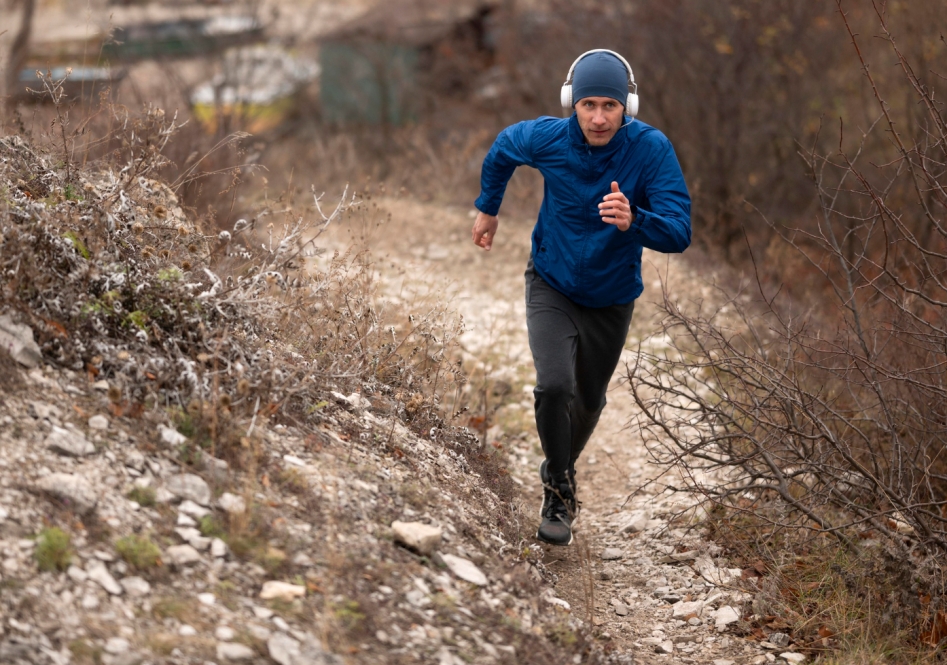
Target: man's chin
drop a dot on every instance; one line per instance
(594, 140)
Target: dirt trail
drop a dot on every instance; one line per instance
(636, 594)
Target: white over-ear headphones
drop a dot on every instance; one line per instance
(631, 103)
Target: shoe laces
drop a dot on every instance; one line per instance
(562, 502)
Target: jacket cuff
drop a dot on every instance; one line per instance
(485, 207)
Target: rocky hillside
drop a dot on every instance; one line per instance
(190, 475)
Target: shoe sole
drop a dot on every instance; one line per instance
(550, 542)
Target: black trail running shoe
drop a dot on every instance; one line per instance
(558, 511)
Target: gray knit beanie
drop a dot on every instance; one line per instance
(600, 75)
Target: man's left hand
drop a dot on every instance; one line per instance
(615, 209)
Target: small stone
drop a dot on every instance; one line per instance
(135, 460)
(99, 574)
(779, 639)
(182, 555)
(187, 533)
(423, 538)
(191, 487)
(694, 621)
(635, 522)
(723, 661)
(171, 437)
(261, 633)
(678, 557)
(76, 574)
(73, 490)
(98, 421)
(793, 657)
(283, 649)
(262, 612)
(136, 587)
(207, 598)
(621, 610)
(685, 610)
(89, 601)
(68, 442)
(302, 560)
(612, 554)
(234, 651)
(187, 631)
(218, 548)
(185, 520)
(232, 504)
(102, 385)
(282, 590)
(117, 645)
(225, 633)
(667, 646)
(725, 616)
(192, 509)
(280, 623)
(464, 569)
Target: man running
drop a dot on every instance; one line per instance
(613, 185)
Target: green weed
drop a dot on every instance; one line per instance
(53, 549)
(138, 551)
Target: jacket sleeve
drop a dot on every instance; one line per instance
(666, 225)
(511, 149)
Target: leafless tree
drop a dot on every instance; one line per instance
(830, 415)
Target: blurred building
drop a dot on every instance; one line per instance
(393, 64)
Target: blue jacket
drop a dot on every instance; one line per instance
(582, 257)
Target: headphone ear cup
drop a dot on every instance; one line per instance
(631, 104)
(565, 96)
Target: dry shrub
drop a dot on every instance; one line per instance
(823, 421)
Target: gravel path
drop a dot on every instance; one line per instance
(654, 589)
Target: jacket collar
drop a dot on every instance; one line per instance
(618, 141)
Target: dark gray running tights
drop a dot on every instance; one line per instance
(575, 350)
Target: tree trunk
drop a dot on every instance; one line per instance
(18, 51)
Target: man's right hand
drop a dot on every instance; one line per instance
(484, 230)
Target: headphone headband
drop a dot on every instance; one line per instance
(631, 75)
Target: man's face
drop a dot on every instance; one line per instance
(600, 118)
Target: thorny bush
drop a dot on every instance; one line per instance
(118, 282)
(830, 422)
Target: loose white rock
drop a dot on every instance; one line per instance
(635, 522)
(420, 537)
(464, 569)
(117, 645)
(725, 616)
(76, 574)
(72, 490)
(722, 661)
(218, 548)
(793, 657)
(98, 421)
(667, 646)
(232, 504)
(234, 651)
(191, 487)
(682, 610)
(99, 574)
(190, 508)
(225, 633)
(171, 437)
(182, 555)
(17, 340)
(135, 587)
(283, 649)
(69, 442)
(283, 590)
(187, 631)
(612, 554)
(207, 598)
